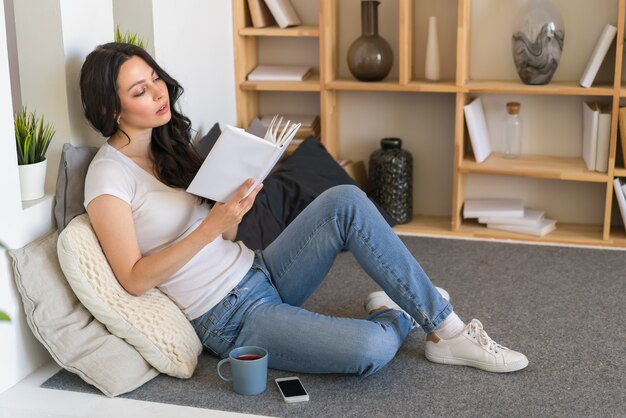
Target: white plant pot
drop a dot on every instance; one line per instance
(33, 180)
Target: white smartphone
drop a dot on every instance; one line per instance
(291, 389)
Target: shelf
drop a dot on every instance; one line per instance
(449, 86)
(426, 225)
(537, 166)
(330, 86)
(554, 87)
(618, 236)
(312, 83)
(563, 234)
(393, 85)
(296, 31)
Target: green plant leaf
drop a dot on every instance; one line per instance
(129, 38)
(33, 136)
(4, 316)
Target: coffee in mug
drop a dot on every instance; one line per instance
(248, 357)
(248, 366)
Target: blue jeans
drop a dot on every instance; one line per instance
(264, 308)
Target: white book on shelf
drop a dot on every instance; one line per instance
(621, 199)
(279, 73)
(532, 217)
(502, 208)
(283, 12)
(598, 54)
(604, 136)
(545, 227)
(477, 129)
(591, 115)
(237, 156)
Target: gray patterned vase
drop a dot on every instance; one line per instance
(391, 179)
(538, 37)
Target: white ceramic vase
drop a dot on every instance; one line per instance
(431, 68)
(33, 180)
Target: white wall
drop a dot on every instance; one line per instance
(135, 17)
(19, 353)
(193, 42)
(80, 36)
(42, 47)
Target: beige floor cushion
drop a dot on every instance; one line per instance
(75, 340)
(152, 323)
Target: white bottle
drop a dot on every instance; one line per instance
(431, 67)
(512, 138)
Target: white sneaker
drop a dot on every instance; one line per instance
(378, 300)
(474, 348)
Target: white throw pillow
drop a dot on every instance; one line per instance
(152, 323)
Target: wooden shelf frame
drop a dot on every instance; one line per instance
(534, 166)
(312, 83)
(329, 86)
(296, 31)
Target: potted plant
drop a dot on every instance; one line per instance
(129, 38)
(32, 136)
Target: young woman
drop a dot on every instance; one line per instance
(153, 233)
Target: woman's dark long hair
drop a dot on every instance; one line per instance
(175, 158)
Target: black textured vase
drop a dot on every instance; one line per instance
(391, 179)
(370, 57)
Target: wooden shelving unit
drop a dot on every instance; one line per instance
(329, 85)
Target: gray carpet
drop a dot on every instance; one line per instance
(563, 307)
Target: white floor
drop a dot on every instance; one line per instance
(27, 400)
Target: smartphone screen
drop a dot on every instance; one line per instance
(292, 390)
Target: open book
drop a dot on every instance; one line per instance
(239, 155)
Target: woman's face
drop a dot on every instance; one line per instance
(143, 96)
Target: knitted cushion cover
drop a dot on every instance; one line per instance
(152, 322)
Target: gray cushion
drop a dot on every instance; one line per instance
(74, 338)
(70, 191)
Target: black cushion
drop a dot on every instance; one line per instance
(299, 179)
(204, 145)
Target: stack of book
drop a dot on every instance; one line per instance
(270, 12)
(508, 215)
(596, 136)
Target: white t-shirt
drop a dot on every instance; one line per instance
(162, 216)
